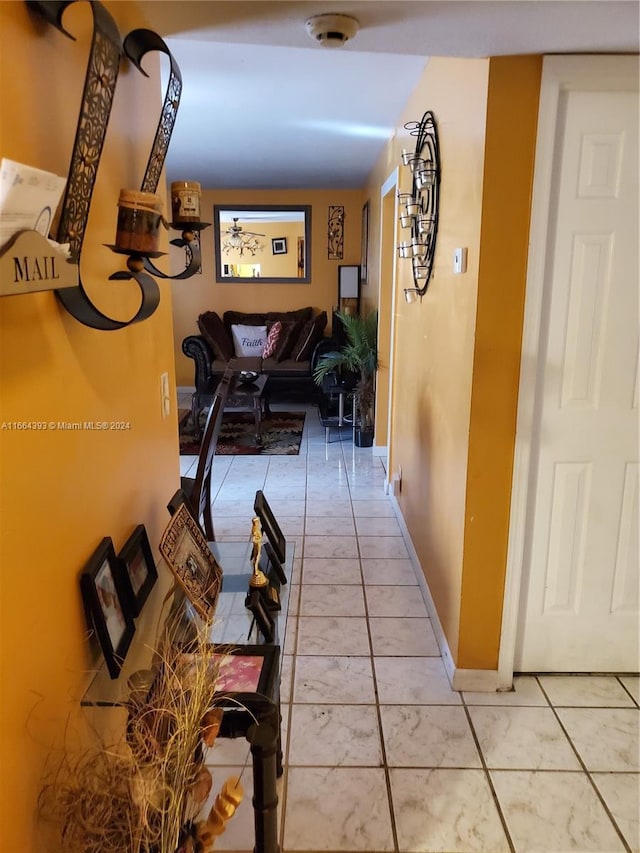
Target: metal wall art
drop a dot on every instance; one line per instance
(419, 211)
(336, 232)
(97, 100)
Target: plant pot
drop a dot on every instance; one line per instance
(363, 436)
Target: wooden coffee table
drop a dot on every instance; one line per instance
(249, 397)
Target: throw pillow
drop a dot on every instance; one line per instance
(249, 340)
(288, 337)
(213, 331)
(309, 336)
(272, 339)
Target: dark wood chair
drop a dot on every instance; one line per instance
(198, 489)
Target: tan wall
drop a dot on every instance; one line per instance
(435, 431)
(63, 491)
(201, 293)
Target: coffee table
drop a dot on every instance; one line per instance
(249, 397)
(241, 397)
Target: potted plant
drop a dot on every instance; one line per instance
(359, 357)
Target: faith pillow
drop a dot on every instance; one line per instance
(249, 340)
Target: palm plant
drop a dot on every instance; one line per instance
(358, 356)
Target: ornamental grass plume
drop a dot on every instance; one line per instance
(143, 793)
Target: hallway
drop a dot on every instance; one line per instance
(380, 753)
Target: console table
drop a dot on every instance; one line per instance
(232, 628)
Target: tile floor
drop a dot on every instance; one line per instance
(381, 754)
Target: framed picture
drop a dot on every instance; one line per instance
(106, 603)
(274, 566)
(139, 571)
(270, 526)
(262, 616)
(241, 669)
(364, 246)
(190, 559)
(279, 246)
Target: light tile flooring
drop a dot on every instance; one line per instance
(381, 754)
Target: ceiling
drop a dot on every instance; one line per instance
(263, 106)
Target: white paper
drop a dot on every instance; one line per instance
(29, 198)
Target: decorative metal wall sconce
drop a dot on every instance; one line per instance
(419, 208)
(336, 233)
(97, 100)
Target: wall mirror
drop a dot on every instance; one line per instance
(268, 244)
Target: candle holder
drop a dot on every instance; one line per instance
(421, 205)
(107, 49)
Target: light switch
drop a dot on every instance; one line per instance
(165, 397)
(459, 261)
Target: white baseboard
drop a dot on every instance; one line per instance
(478, 680)
(475, 680)
(382, 450)
(185, 389)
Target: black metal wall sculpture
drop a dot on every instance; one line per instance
(420, 212)
(335, 234)
(97, 100)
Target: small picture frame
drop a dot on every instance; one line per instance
(263, 618)
(279, 246)
(270, 526)
(139, 570)
(106, 603)
(190, 559)
(274, 566)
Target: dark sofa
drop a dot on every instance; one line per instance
(289, 367)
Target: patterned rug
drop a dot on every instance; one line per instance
(281, 434)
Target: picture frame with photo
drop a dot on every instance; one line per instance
(270, 526)
(138, 568)
(279, 246)
(190, 559)
(107, 604)
(261, 614)
(273, 565)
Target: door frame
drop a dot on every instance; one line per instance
(387, 295)
(559, 74)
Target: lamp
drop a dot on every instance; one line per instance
(420, 206)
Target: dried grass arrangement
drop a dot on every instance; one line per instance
(144, 793)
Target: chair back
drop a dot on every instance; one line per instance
(200, 498)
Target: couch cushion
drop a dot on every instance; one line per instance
(249, 340)
(287, 367)
(273, 333)
(309, 336)
(216, 335)
(235, 318)
(288, 337)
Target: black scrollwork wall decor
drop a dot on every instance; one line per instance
(335, 236)
(97, 101)
(419, 208)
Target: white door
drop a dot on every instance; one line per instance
(579, 602)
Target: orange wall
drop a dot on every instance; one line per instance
(443, 395)
(201, 293)
(514, 90)
(63, 491)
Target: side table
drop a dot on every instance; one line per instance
(336, 421)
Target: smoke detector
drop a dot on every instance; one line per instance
(332, 30)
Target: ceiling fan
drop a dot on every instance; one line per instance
(235, 238)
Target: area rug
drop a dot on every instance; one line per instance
(281, 434)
